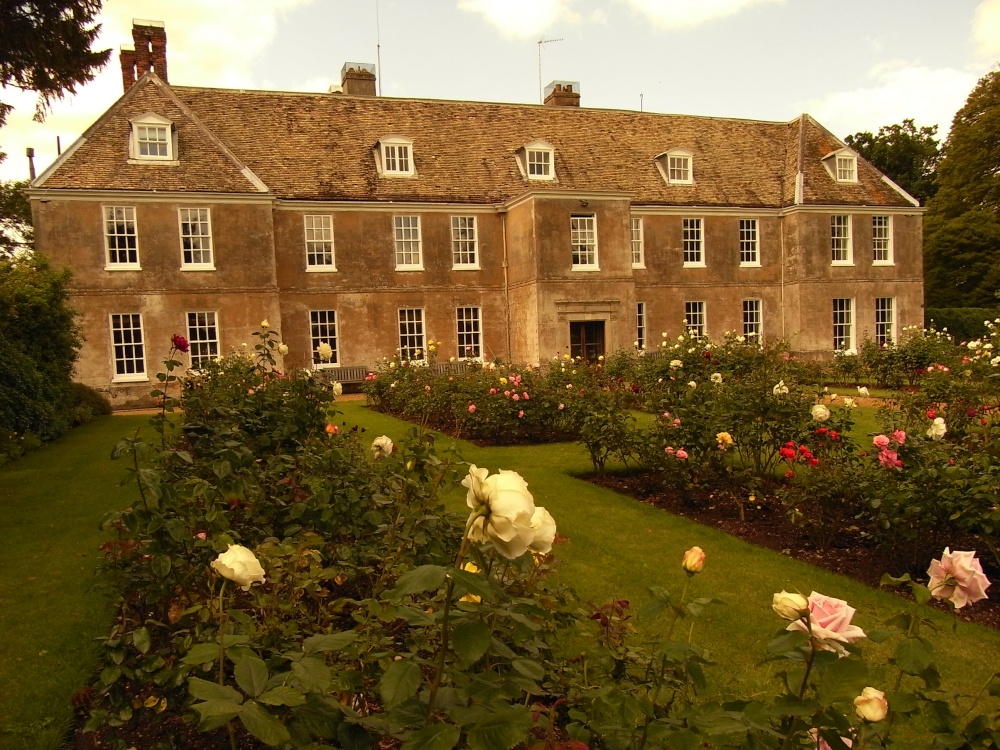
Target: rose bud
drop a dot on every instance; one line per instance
(790, 606)
(693, 560)
(871, 705)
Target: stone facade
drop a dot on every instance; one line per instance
(352, 217)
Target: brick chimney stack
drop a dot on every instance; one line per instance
(562, 94)
(358, 79)
(149, 52)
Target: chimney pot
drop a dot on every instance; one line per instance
(562, 94)
(150, 38)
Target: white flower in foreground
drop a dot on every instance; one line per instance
(937, 429)
(381, 446)
(338, 388)
(239, 565)
(820, 413)
(325, 352)
(790, 606)
(504, 513)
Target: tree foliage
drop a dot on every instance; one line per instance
(46, 48)
(16, 231)
(908, 155)
(39, 343)
(962, 228)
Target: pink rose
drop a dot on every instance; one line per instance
(881, 441)
(899, 436)
(472, 408)
(525, 396)
(493, 391)
(520, 414)
(562, 406)
(507, 394)
(830, 623)
(677, 422)
(889, 459)
(515, 397)
(822, 744)
(958, 577)
(681, 454)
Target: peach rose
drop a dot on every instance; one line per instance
(958, 577)
(693, 560)
(830, 623)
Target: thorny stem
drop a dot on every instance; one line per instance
(805, 683)
(442, 654)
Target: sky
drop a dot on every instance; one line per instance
(854, 65)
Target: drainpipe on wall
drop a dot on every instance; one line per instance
(506, 297)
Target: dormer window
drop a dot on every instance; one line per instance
(676, 167)
(536, 161)
(395, 157)
(842, 165)
(152, 139)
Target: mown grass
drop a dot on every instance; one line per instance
(50, 610)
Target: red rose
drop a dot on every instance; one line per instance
(180, 343)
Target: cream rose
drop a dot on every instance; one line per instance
(282, 349)
(829, 623)
(780, 388)
(820, 413)
(693, 560)
(325, 352)
(239, 565)
(382, 446)
(958, 577)
(504, 513)
(871, 705)
(338, 388)
(789, 606)
(937, 429)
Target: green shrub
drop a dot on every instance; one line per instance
(963, 323)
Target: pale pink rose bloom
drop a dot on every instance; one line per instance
(520, 414)
(562, 406)
(958, 577)
(472, 408)
(507, 394)
(899, 436)
(669, 450)
(881, 441)
(515, 397)
(830, 622)
(681, 454)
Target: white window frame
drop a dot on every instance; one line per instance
(841, 245)
(845, 168)
(407, 243)
(123, 348)
(464, 243)
(412, 335)
(469, 329)
(120, 218)
(323, 329)
(693, 242)
(166, 144)
(885, 320)
(749, 243)
(320, 255)
(200, 241)
(537, 161)
(882, 254)
(638, 242)
(676, 167)
(753, 320)
(640, 325)
(396, 157)
(843, 324)
(583, 241)
(695, 319)
(203, 338)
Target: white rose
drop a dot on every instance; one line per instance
(338, 389)
(511, 522)
(780, 388)
(282, 349)
(381, 446)
(820, 413)
(676, 364)
(848, 402)
(716, 377)
(937, 429)
(544, 526)
(238, 564)
(474, 498)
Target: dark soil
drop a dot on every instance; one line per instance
(766, 524)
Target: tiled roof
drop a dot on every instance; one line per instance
(321, 147)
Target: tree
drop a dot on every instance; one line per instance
(906, 154)
(16, 231)
(46, 48)
(962, 226)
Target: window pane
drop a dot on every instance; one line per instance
(319, 241)
(840, 239)
(469, 333)
(691, 229)
(748, 242)
(463, 241)
(127, 346)
(583, 237)
(408, 251)
(843, 324)
(638, 254)
(640, 325)
(884, 321)
(694, 318)
(196, 236)
(120, 235)
(323, 330)
(411, 334)
(752, 328)
(203, 338)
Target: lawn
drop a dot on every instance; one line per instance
(616, 547)
(50, 608)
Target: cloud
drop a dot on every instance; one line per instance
(986, 30)
(679, 14)
(208, 44)
(899, 90)
(522, 19)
